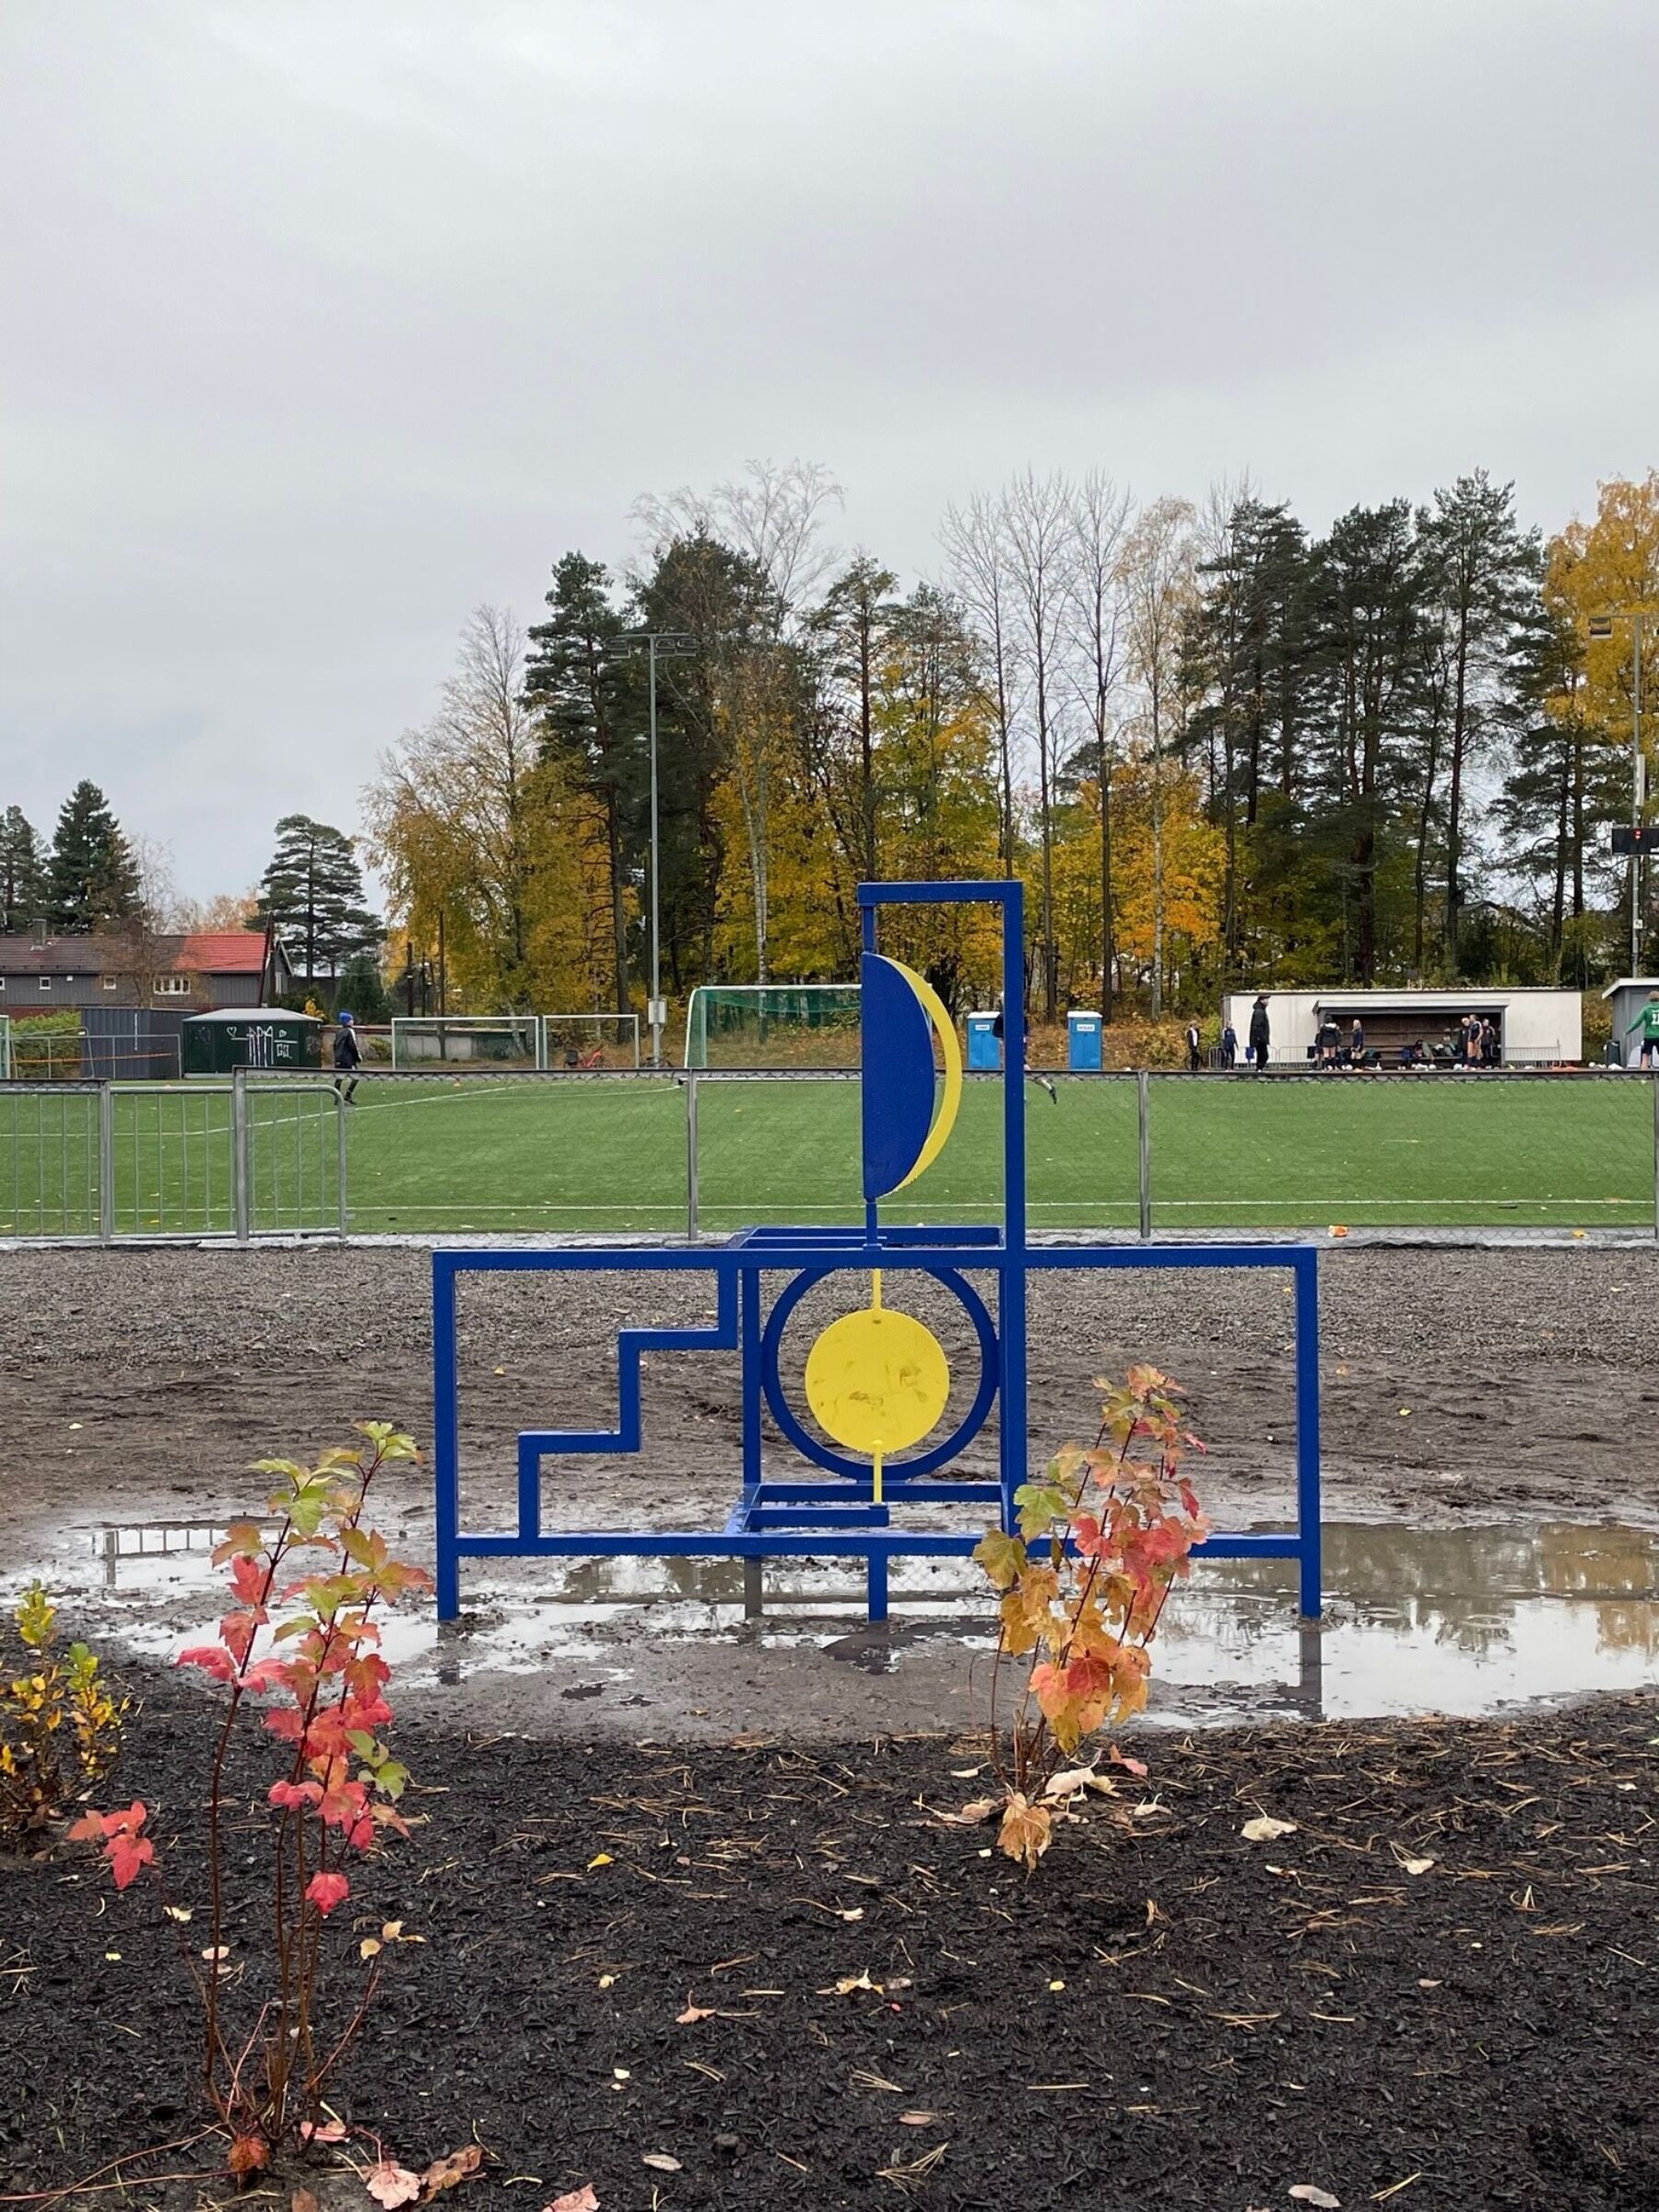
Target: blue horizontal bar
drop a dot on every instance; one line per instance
(820, 1516)
(797, 1543)
(655, 1259)
(994, 892)
(826, 1493)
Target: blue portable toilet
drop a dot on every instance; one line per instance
(984, 1046)
(1083, 1042)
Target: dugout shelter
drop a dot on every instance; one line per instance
(1536, 1028)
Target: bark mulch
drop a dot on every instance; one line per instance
(1167, 2015)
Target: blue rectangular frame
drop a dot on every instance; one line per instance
(838, 1516)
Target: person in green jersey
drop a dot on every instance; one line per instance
(1647, 1029)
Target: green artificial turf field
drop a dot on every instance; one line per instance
(479, 1153)
(607, 1156)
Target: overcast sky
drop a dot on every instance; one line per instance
(320, 324)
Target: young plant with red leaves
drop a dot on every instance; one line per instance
(302, 1631)
(1102, 1537)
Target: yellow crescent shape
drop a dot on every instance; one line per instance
(944, 1121)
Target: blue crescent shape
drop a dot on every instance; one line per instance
(897, 1055)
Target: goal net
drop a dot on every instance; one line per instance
(772, 1024)
(466, 1041)
(575, 1041)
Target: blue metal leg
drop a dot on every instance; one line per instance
(446, 1441)
(878, 1606)
(1307, 1432)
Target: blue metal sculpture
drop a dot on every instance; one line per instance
(876, 1379)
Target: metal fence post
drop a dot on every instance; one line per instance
(340, 1169)
(1143, 1092)
(238, 1151)
(106, 1163)
(691, 1154)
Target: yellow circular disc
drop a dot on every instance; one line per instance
(877, 1380)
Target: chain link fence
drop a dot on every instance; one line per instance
(704, 1153)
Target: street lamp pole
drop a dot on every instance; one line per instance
(1601, 626)
(669, 645)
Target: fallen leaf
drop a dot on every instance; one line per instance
(1429, 1985)
(608, 1981)
(661, 2162)
(369, 1947)
(1056, 1985)
(1115, 1757)
(692, 2013)
(917, 2119)
(303, 2200)
(600, 1858)
(1071, 1784)
(213, 1952)
(852, 1912)
(248, 2154)
(449, 2173)
(327, 2131)
(391, 2184)
(849, 1982)
(966, 1773)
(972, 1815)
(1264, 1827)
(1416, 1866)
(1026, 1830)
(1306, 2194)
(575, 2200)
(181, 1912)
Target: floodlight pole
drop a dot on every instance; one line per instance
(675, 643)
(1601, 626)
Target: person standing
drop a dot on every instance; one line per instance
(1230, 1046)
(1195, 1045)
(1647, 1026)
(347, 1058)
(1356, 1043)
(1261, 1032)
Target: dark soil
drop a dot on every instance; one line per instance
(1167, 2015)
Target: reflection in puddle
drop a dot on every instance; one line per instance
(1448, 1620)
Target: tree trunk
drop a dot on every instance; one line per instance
(1106, 944)
(1454, 791)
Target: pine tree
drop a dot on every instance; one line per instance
(23, 864)
(92, 879)
(313, 891)
(577, 677)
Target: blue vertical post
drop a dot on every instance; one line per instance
(875, 1605)
(749, 1337)
(1011, 1294)
(446, 1439)
(872, 1206)
(1306, 1266)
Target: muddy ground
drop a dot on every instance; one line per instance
(1454, 1383)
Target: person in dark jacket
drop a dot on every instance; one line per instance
(1230, 1045)
(1261, 1032)
(347, 1058)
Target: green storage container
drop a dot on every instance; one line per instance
(258, 1037)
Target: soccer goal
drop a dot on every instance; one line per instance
(466, 1041)
(772, 1024)
(576, 1041)
(5, 1065)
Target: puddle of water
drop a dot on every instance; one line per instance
(1459, 1620)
